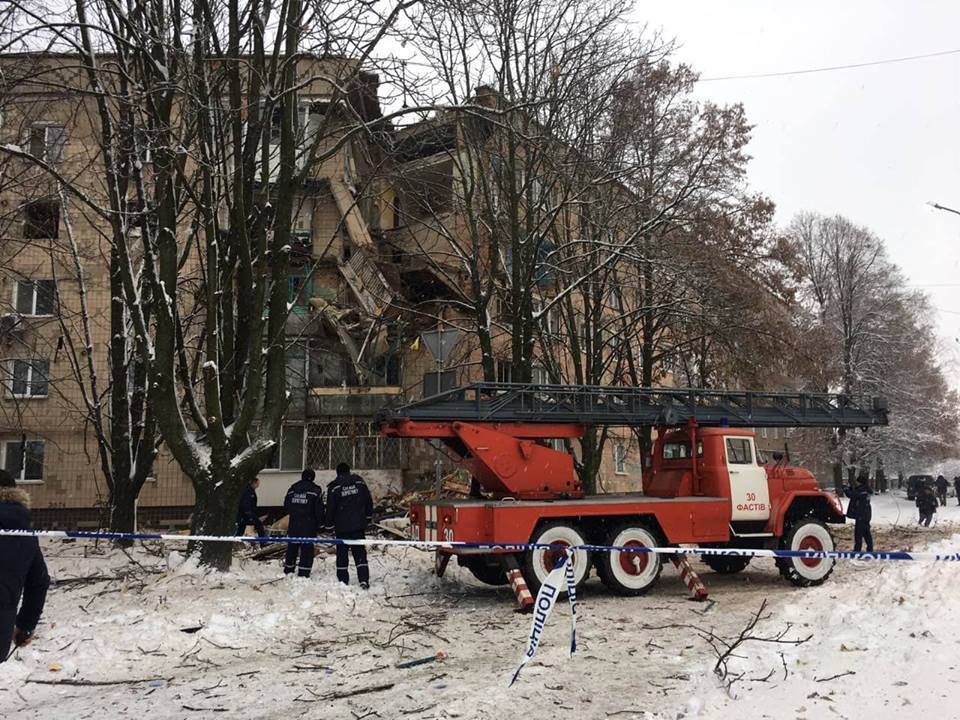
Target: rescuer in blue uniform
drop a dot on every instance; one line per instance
(247, 512)
(349, 510)
(304, 506)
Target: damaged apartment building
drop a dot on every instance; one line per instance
(371, 272)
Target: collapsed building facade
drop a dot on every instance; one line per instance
(374, 283)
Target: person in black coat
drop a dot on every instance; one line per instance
(956, 487)
(247, 512)
(22, 570)
(942, 486)
(304, 506)
(349, 511)
(926, 504)
(861, 512)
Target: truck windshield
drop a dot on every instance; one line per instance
(680, 450)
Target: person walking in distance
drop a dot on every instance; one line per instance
(22, 570)
(926, 504)
(942, 486)
(247, 512)
(304, 506)
(349, 510)
(956, 487)
(860, 511)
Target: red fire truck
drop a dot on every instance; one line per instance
(707, 484)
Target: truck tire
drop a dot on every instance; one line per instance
(806, 534)
(630, 573)
(485, 568)
(538, 562)
(726, 564)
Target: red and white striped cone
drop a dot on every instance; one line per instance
(690, 578)
(515, 577)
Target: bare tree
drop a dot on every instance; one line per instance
(200, 126)
(524, 90)
(878, 338)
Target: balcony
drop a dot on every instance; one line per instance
(354, 401)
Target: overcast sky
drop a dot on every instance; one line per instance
(873, 143)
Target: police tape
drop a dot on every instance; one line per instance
(454, 545)
(543, 606)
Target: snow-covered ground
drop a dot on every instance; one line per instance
(157, 638)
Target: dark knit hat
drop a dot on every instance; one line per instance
(308, 474)
(6, 479)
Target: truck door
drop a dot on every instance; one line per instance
(749, 493)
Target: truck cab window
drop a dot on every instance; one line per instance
(738, 451)
(680, 450)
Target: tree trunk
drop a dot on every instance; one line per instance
(590, 458)
(215, 513)
(121, 510)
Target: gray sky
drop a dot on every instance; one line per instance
(873, 143)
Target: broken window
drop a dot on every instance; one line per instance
(41, 220)
(330, 369)
(47, 141)
(24, 459)
(28, 378)
(36, 297)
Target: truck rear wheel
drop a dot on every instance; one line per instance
(806, 534)
(485, 568)
(626, 572)
(538, 563)
(726, 564)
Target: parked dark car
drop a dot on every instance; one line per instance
(915, 482)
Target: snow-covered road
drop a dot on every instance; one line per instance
(882, 643)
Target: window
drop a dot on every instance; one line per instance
(763, 432)
(36, 297)
(358, 443)
(288, 455)
(24, 459)
(28, 378)
(41, 220)
(620, 458)
(680, 450)
(504, 371)
(299, 291)
(738, 451)
(47, 141)
(547, 318)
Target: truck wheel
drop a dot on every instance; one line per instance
(630, 573)
(538, 563)
(485, 568)
(726, 564)
(806, 534)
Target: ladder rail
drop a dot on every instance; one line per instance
(633, 406)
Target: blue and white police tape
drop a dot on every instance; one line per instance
(543, 606)
(494, 547)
